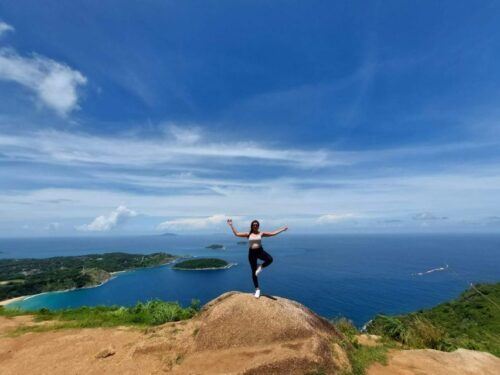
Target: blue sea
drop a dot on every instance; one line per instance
(356, 276)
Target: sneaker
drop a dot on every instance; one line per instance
(257, 293)
(259, 270)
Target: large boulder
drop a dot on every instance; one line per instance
(238, 334)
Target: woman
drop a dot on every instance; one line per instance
(255, 250)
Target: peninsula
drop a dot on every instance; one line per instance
(22, 277)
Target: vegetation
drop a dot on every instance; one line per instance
(199, 264)
(151, 313)
(19, 277)
(215, 246)
(472, 321)
(360, 356)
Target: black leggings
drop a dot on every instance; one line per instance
(253, 255)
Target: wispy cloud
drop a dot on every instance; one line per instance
(4, 28)
(184, 134)
(427, 216)
(105, 223)
(55, 84)
(73, 148)
(193, 223)
(335, 217)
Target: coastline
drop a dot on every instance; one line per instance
(5, 302)
(114, 274)
(206, 269)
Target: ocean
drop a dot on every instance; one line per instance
(355, 276)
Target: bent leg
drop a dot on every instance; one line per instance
(266, 257)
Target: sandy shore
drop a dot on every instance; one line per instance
(7, 301)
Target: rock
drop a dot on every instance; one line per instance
(105, 353)
(239, 334)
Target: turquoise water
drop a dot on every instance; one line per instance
(355, 276)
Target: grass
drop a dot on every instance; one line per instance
(360, 356)
(147, 314)
(472, 321)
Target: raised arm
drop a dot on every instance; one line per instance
(236, 233)
(274, 233)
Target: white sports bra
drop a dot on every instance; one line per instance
(254, 240)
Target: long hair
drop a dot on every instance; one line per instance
(251, 227)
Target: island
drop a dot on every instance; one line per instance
(168, 234)
(202, 264)
(215, 246)
(241, 242)
(21, 277)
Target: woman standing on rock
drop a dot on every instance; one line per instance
(255, 250)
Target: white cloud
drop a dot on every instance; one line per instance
(4, 28)
(184, 134)
(333, 218)
(66, 148)
(193, 223)
(426, 216)
(105, 223)
(55, 84)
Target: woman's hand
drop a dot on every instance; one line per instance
(230, 222)
(285, 228)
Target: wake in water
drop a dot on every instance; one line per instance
(432, 270)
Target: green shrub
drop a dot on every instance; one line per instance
(151, 313)
(360, 357)
(472, 321)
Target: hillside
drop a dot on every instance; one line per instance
(27, 276)
(471, 321)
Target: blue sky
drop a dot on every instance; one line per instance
(151, 116)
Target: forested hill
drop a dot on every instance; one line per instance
(471, 321)
(19, 277)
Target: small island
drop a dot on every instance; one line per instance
(202, 264)
(22, 277)
(241, 242)
(215, 246)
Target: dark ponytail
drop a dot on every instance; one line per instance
(251, 225)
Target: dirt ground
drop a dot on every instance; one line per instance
(434, 362)
(234, 334)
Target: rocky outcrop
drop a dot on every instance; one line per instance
(238, 334)
(233, 334)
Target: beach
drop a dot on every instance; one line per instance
(10, 300)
